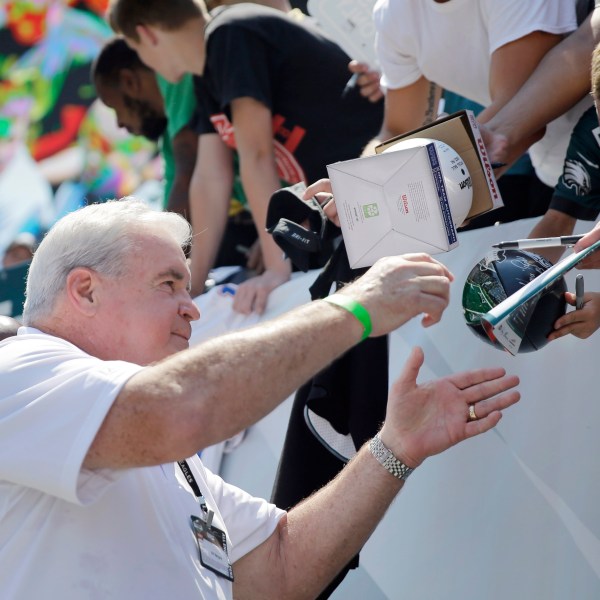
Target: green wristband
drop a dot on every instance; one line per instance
(353, 307)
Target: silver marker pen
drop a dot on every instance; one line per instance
(548, 242)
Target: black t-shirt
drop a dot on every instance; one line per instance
(299, 74)
(583, 8)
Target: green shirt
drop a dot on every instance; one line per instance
(180, 103)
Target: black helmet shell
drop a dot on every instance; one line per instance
(502, 273)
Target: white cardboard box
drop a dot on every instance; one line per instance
(391, 204)
(461, 132)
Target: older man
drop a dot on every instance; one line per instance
(102, 401)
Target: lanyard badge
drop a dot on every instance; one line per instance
(212, 546)
(212, 541)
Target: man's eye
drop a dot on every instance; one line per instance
(171, 284)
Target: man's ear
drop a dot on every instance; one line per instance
(147, 34)
(82, 290)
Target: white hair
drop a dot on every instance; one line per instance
(99, 237)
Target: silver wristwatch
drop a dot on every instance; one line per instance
(385, 457)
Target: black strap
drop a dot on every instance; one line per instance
(189, 477)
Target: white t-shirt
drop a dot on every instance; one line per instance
(67, 532)
(452, 43)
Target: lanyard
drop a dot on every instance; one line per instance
(189, 477)
(207, 535)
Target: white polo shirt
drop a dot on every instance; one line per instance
(67, 532)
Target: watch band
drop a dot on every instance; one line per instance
(386, 458)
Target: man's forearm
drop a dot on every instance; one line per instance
(212, 391)
(178, 200)
(561, 79)
(209, 220)
(185, 145)
(210, 196)
(406, 109)
(260, 181)
(320, 535)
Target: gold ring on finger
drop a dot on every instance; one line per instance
(472, 413)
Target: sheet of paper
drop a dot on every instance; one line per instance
(350, 24)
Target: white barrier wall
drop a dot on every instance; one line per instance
(511, 514)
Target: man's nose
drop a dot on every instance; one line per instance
(189, 310)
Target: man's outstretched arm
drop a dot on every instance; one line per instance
(208, 393)
(319, 536)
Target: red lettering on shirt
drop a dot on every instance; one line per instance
(290, 138)
(224, 128)
(288, 168)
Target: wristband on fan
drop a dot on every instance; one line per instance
(356, 309)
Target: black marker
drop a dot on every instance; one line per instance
(548, 242)
(579, 292)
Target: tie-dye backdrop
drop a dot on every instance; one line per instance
(59, 147)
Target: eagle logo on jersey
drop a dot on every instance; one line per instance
(576, 177)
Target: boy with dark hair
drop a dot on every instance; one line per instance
(148, 105)
(270, 87)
